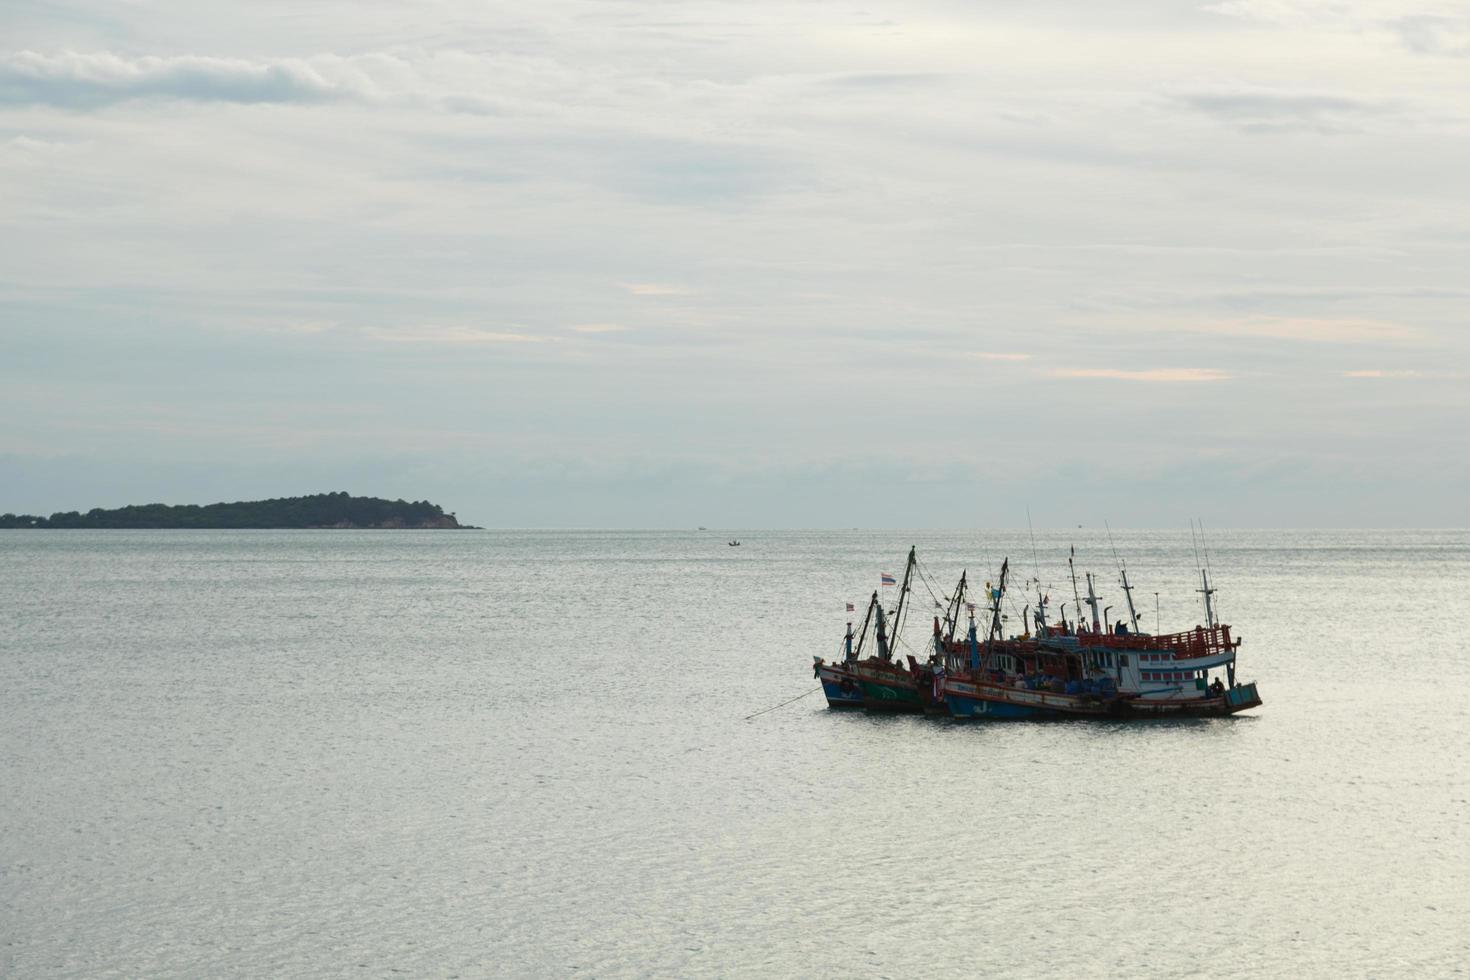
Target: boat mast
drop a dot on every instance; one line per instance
(1206, 591)
(1204, 577)
(1092, 599)
(1123, 571)
(863, 635)
(1128, 591)
(903, 592)
(1041, 602)
(1076, 599)
(952, 614)
(1036, 570)
(996, 595)
(882, 635)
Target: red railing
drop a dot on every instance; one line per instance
(1198, 642)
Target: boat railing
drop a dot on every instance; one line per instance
(1198, 642)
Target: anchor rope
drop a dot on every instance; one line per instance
(783, 703)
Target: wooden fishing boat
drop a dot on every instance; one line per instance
(999, 700)
(839, 684)
(888, 686)
(1066, 671)
(930, 687)
(1229, 701)
(1101, 673)
(882, 683)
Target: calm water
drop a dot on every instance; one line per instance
(525, 753)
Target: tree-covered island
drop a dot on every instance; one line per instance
(320, 510)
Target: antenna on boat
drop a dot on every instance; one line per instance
(1123, 572)
(1036, 568)
(1035, 565)
(1204, 576)
(1206, 547)
(1076, 599)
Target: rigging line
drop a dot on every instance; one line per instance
(919, 570)
(1204, 544)
(1194, 543)
(925, 579)
(1035, 564)
(905, 644)
(1208, 567)
(783, 703)
(1112, 544)
(1018, 613)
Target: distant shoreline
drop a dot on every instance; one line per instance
(316, 512)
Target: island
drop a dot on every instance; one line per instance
(320, 510)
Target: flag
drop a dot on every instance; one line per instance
(887, 579)
(971, 607)
(851, 607)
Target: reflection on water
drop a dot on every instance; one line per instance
(517, 753)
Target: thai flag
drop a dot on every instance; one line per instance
(851, 607)
(888, 579)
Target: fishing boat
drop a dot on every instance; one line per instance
(887, 684)
(948, 653)
(839, 683)
(1107, 672)
(1020, 679)
(880, 682)
(1169, 675)
(1067, 670)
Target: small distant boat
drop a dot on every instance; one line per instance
(734, 544)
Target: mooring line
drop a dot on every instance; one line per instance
(784, 703)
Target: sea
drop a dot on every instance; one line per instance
(602, 753)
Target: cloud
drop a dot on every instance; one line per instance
(304, 327)
(655, 289)
(1284, 13)
(86, 80)
(1440, 36)
(1168, 375)
(991, 356)
(1273, 112)
(598, 328)
(451, 336)
(1311, 329)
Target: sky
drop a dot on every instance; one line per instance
(599, 263)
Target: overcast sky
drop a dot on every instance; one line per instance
(741, 264)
